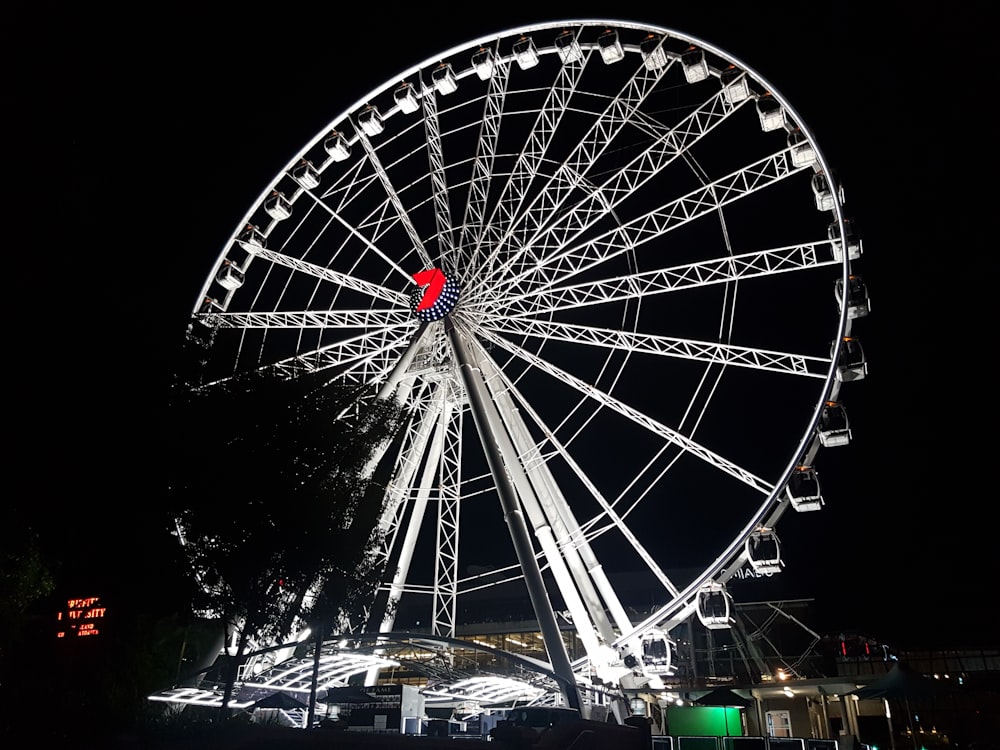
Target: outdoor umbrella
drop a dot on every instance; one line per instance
(279, 700)
(901, 683)
(723, 696)
(345, 695)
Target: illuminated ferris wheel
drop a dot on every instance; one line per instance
(607, 270)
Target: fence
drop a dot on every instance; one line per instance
(746, 743)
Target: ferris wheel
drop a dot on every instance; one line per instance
(607, 270)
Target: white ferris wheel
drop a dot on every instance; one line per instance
(607, 270)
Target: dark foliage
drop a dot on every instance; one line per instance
(269, 490)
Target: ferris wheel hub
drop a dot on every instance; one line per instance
(436, 295)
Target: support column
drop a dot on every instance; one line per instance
(483, 414)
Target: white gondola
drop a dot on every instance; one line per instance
(803, 153)
(715, 606)
(851, 364)
(803, 489)
(336, 146)
(764, 551)
(659, 653)
(251, 239)
(278, 206)
(853, 243)
(405, 97)
(525, 53)
(229, 276)
(306, 175)
(856, 298)
(568, 47)
(694, 64)
(371, 121)
(823, 192)
(610, 46)
(482, 63)
(444, 79)
(771, 113)
(210, 305)
(735, 85)
(653, 54)
(834, 428)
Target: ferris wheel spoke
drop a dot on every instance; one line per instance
(525, 170)
(369, 230)
(602, 132)
(666, 346)
(549, 299)
(349, 185)
(571, 261)
(474, 223)
(394, 198)
(667, 145)
(347, 281)
(648, 423)
(367, 357)
(300, 319)
(439, 182)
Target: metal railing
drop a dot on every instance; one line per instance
(746, 743)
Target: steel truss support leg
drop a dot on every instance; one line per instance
(487, 423)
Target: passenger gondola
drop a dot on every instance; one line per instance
(834, 428)
(336, 146)
(371, 121)
(694, 65)
(405, 97)
(278, 206)
(803, 489)
(771, 113)
(851, 362)
(568, 47)
(715, 606)
(856, 299)
(764, 551)
(306, 175)
(610, 46)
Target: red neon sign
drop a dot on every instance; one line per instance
(71, 619)
(435, 280)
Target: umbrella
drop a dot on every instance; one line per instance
(345, 695)
(723, 696)
(279, 700)
(903, 684)
(900, 683)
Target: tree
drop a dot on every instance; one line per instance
(25, 576)
(269, 492)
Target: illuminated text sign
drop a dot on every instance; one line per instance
(81, 618)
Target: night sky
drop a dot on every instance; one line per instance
(140, 141)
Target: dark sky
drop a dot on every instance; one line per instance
(140, 141)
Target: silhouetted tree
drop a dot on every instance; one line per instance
(26, 577)
(268, 490)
